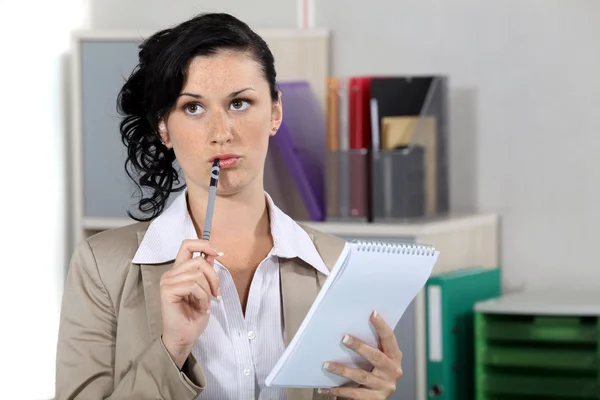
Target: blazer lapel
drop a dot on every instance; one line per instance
(300, 282)
(151, 278)
(151, 275)
(299, 288)
(300, 285)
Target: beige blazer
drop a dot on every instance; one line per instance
(109, 343)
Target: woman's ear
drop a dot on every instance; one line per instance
(164, 133)
(276, 115)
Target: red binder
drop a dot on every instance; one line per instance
(360, 142)
(360, 115)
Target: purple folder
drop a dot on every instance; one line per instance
(301, 141)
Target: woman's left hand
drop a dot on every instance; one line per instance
(380, 383)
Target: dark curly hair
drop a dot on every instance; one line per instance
(152, 89)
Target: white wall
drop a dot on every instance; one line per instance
(526, 113)
(158, 14)
(32, 111)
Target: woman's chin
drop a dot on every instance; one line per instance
(226, 187)
(231, 182)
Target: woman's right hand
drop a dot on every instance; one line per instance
(185, 292)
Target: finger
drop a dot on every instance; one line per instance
(199, 264)
(375, 356)
(352, 393)
(196, 275)
(211, 276)
(193, 264)
(387, 339)
(210, 260)
(197, 298)
(177, 293)
(189, 247)
(359, 376)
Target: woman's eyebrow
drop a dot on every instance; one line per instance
(231, 95)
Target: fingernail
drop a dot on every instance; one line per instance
(375, 315)
(323, 391)
(219, 294)
(328, 366)
(347, 339)
(220, 253)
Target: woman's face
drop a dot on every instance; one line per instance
(224, 110)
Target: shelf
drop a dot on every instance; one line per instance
(101, 224)
(381, 229)
(553, 301)
(417, 227)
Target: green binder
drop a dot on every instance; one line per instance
(449, 301)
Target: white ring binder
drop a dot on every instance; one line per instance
(397, 248)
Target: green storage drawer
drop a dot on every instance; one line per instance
(542, 345)
(513, 397)
(542, 358)
(549, 387)
(540, 329)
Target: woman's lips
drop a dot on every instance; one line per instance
(228, 162)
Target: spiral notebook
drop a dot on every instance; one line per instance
(367, 276)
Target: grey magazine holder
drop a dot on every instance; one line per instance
(409, 169)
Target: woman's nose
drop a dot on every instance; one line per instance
(220, 131)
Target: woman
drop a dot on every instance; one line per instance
(143, 316)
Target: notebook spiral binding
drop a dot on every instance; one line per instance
(397, 248)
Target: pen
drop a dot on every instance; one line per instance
(212, 194)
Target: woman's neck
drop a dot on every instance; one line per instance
(243, 214)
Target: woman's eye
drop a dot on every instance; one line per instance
(239, 105)
(194, 109)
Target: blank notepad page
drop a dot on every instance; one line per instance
(367, 276)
